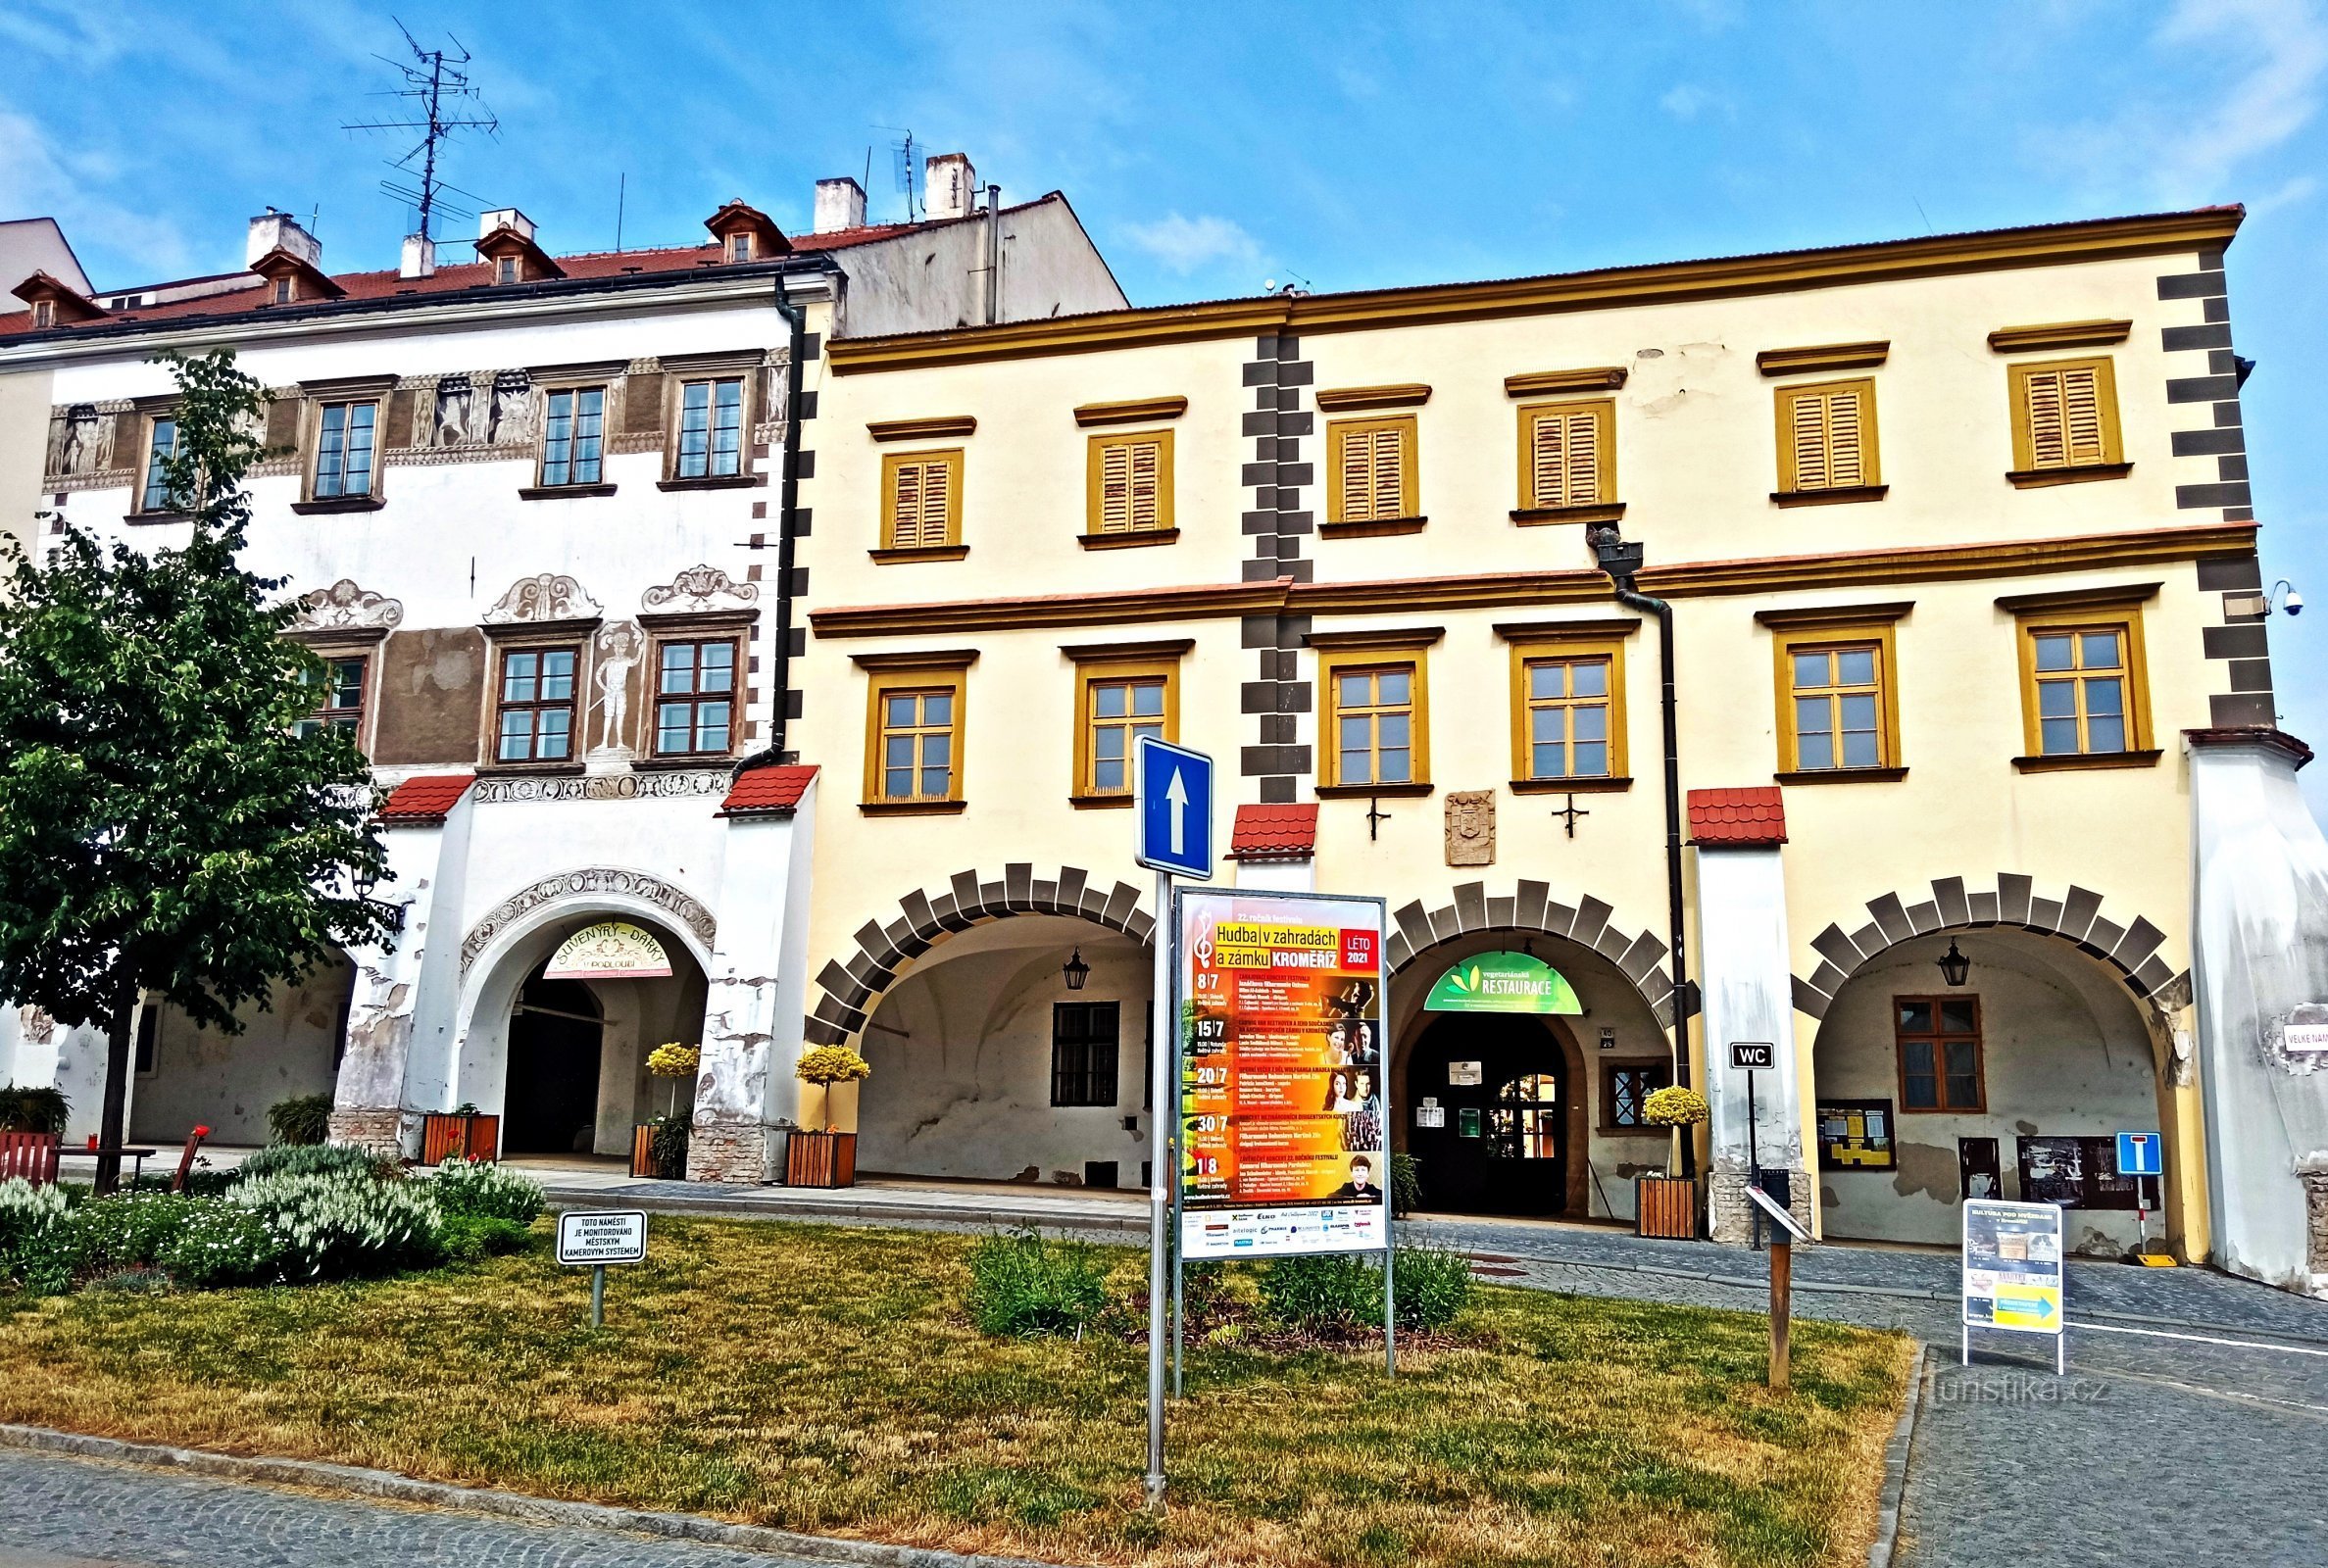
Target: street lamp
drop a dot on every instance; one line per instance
(1955, 967)
(1077, 970)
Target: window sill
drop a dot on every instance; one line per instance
(1360, 792)
(1842, 775)
(898, 557)
(1368, 527)
(157, 516)
(1567, 786)
(561, 492)
(532, 770)
(680, 762)
(719, 481)
(1536, 516)
(2039, 478)
(1094, 802)
(1842, 496)
(331, 504)
(2084, 762)
(1128, 541)
(911, 807)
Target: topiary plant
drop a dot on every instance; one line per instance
(827, 1065)
(1676, 1107)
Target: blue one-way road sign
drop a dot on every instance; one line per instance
(1175, 793)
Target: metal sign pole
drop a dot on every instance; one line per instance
(1159, 1190)
(598, 1296)
(1754, 1154)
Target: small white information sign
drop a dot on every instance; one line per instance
(2306, 1037)
(1464, 1074)
(1429, 1112)
(595, 1236)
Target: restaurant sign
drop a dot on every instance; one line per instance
(1504, 982)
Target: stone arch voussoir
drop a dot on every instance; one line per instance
(1642, 956)
(2132, 949)
(851, 987)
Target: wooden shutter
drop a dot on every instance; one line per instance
(642, 402)
(396, 420)
(2064, 416)
(282, 424)
(919, 503)
(129, 446)
(1390, 472)
(1130, 479)
(1829, 440)
(1567, 458)
(1374, 473)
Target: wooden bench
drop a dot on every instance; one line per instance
(31, 1157)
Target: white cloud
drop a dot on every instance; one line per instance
(1687, 102)
(1184, 245)
(38, 181)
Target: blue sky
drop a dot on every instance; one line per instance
(1209, 145)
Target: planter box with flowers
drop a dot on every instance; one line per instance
(826, 1158)
(463, 1134)
(658, 1147)
(1668, 1205)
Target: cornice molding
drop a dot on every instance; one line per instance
(2110, 597)
(1110, 653)
(1385, 637)
(1815, 617)
(2047, 245)
(1403, 395)
(1540, 383)
(2058, 335)
(1130, 411)
(922, 429)
(1708, 579)
(1822, 357)
(938, 658)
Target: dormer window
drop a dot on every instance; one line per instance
(284, 290)
(739, 247)
(44, 313)
(505, 270)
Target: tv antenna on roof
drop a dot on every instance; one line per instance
(903, 152)
(434, 76)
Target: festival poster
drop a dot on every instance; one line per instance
(1284, 1103)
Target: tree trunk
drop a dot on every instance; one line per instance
(113, 1131)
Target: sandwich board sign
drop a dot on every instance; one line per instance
(2012, 1270)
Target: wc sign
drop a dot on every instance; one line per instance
(1753, 1053)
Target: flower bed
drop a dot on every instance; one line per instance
(290, 1215)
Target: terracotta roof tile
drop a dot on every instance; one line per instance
(1275, 833)
(1747, 818)
(423, 800)
(769, 791)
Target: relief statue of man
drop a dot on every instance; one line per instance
(618, 652)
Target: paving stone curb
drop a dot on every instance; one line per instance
(357, 1481)
(1894, 1467)
(869, 1212)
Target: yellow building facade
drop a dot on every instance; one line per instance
(1963, 584)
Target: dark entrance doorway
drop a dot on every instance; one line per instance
(1503, 1143)
(550, 1105)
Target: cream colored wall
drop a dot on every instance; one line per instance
(25, 398)
(1695, 463)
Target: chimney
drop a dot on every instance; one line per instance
(504, 218)
(949, 183)
(840, 204)
(419, 257)
(273, 232)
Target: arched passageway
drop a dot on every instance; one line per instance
(550, 1105)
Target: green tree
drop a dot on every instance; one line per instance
(164, 824)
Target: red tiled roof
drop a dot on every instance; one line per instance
(423, 800)
(1275, 833)
(1750, 817)
(463, 277)
(769, 791)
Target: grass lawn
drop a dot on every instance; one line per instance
(828, 1380)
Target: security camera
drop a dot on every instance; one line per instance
(2295, 603)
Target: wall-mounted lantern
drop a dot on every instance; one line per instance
(1077, 971)
(1955, 967)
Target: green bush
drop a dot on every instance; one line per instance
(32, 1110)
(480, 1189)
(1023, 1285)
(131, 1282)
(1406, 1184)
(1336, 1292)
(38, 1241)
(468, 1237)
(128, 1230)
(344, 1225)
(301, 1121)
(221, 1243)
(313, 1159)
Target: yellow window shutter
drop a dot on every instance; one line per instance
(1143, 460)
(1567, 458)
(1809, 431)
(2048, 439)
(1845, 468)
(1390, 477)
(905, 506)
(1547, 439)
(937, 481)
(1584, 460)
(1358, 476)
(1115, 485)
(2081, 415)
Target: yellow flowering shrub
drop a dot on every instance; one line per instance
(1675, 1107)
(832, 1064)
(674, 1060)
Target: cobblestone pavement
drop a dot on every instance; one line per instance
(60, 1512)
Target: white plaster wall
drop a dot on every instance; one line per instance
(936, 279)
(639, 1015)
(962, 1088)
(1742, 959)
(207, 1077)
(2065, 1053)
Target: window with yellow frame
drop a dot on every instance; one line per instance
(1122, 694)
(1836, 694)
(1567, 714)
(2085, 700)
(921, 500)
(1131, 487)
(1827, 438)
(1375, 729)
(913, 732)
(1370, 470)
(2065, 422)
(1567, 455)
